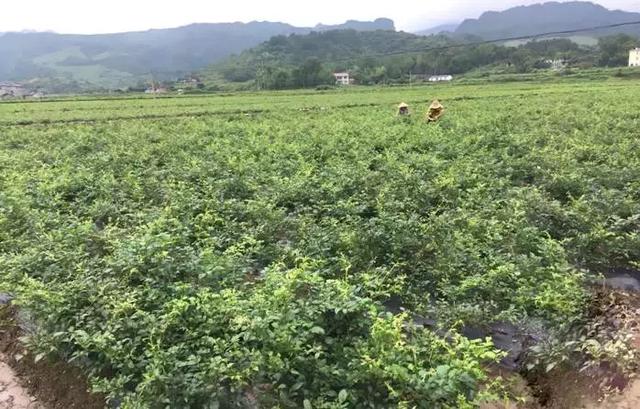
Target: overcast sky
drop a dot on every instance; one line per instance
(104, 16)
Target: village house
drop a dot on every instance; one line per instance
(156, 90)
(634, 57)
(343, 78)
(13, 90)
(189, 83)
(556, 64)
(438, 78)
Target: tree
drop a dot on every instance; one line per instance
(311, 73)
(614, 50)
(281, 80)
(523, 60)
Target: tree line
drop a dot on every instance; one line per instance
(384, 57)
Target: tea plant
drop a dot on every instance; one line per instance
(212, 258)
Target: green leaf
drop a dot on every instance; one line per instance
(307, 404)
(317, 330)
(342, 396)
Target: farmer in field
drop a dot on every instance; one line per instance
(403, 109)
(435, 111)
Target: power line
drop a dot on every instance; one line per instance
(499, 40)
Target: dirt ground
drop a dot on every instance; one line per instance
(617, 310)
(628, 399)
(47, 384)
(12, 394)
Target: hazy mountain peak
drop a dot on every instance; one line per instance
(442, 28)
(544, 17)
(377, 24)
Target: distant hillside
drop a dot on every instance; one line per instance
(307, 60)
(116, 60)
(385, 57)
(552, 16)
(378, 24)
(443, 28)
(331, 46)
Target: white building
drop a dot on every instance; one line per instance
(438, 78)
(154, 90)
(556, 64)
(12, 89)
(634, 57)
(342, 78)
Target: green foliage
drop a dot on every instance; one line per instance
(236, 250)
(76, 63)
(614, 50)
(285, 62)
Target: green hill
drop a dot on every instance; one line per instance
(384, 57)
(308, 60)
(116, 60)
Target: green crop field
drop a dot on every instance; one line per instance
(238, 250)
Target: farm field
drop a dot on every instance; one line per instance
(242, 250)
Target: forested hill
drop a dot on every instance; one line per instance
(547, 17)
(333, 46)
(283, 61)
(383, 57)
(115, 60)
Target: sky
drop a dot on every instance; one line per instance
(108, 16)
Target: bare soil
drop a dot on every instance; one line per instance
(47, 384)
(12, 394)
(603, 388)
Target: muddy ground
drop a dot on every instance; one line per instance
(602, 387)
(46, 384)
(12, 394)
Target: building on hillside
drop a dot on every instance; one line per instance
(634, 57)
(439, 78)
(556, 64)
(189, 83)
(13, 90)
(343, 78)
(156, 90)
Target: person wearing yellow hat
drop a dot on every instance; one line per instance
(403, 109)
(435, 111)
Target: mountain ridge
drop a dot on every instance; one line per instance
(119, 59)
(545, 17)
(441, 28)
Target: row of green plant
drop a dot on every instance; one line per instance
(243, 261)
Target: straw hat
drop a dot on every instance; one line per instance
(435, 105)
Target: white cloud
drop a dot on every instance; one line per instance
(97, 16)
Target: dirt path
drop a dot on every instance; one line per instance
(12, 394)
(628, 399)
(46, 384)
